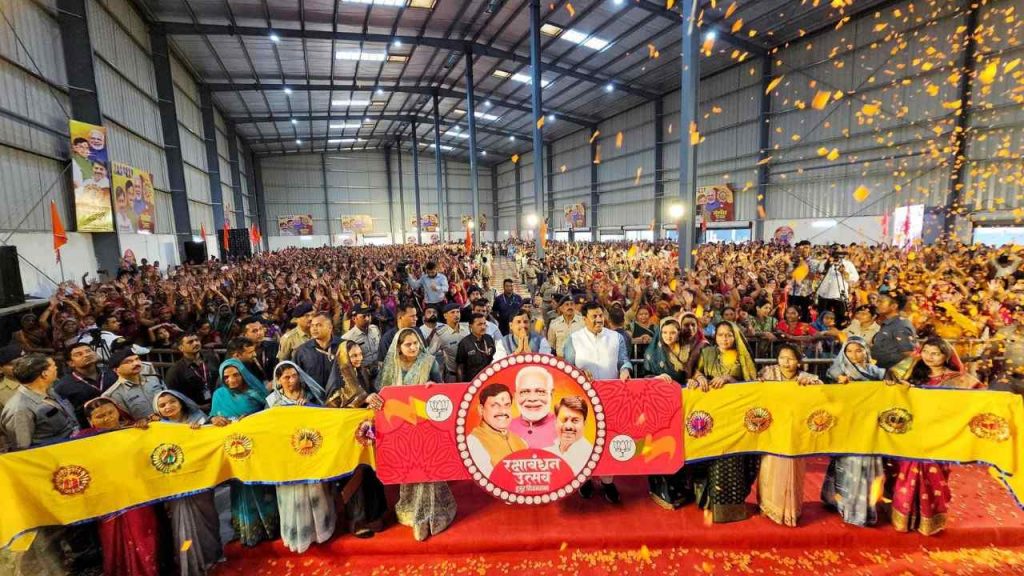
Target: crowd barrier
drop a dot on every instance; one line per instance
(92, 477)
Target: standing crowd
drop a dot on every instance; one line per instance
(332, 327)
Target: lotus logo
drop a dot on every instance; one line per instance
(439, 408)
(623, 448)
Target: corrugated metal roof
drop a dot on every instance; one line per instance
(641, 58)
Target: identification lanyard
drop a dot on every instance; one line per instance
(204, 375)
(88, 383)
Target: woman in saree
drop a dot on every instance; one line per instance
(920, 489)
(306, 510)
(253, 508)
(672, 356)
(194, 521)
(722, 485)
(427, 508)
(363, 494)
(130, 540)
(847, 485)
(780, 482)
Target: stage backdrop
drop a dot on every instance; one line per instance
(133, 200)
(90, 178)
(295, 225)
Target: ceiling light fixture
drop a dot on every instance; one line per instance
(397, 43)
(501, 73)
(360, 54)
(344, 140)
(592, 42)
(294, 121)
(397, 58)
(512, 137)
(274, 38)
(380, 92)
(298, 142)
(551, 118)
(288, 91)
(445, 148)
(609, 87)
(525, 79)
(551, 29)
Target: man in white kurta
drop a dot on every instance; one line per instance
(602, 354)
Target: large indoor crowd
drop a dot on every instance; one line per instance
(207, 345)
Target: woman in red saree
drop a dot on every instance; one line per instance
(920, 488)
(130, 539)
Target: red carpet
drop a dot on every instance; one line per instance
(638, 537)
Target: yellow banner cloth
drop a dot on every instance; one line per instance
(99, 475)
(786, 419)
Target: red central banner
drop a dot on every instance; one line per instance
(529, 429)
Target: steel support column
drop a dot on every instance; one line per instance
(401, 189)
(474, 174)
(85, 107)
(442, 222)
(172, 142)
(261, 201)
(958, 160)
(550, 218)
(764, 144)
(212, 159)
(688, 117)
(327, 202)
(659, 168)
(391, 199)
(595, 195)
(236, 177)
(416, 183)
(538, 115)
(519, 199)
(494, 201)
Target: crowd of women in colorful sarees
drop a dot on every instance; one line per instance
(185, 532)
(854, 486)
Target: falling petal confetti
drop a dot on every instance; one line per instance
(821, 100)
(594, 136)
(571, 10)
(540, 122)
(639, 171)
(775, 82)
(833, 154)
(801, 272)
(861, 193)
(186, 545)
(618, 140)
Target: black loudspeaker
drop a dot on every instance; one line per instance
(11, 291)
(238, 243)
(195, 252)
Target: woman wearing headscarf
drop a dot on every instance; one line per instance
(427, 508)
(847, 485)
(780, 481)
(722, 485)
(194, 521)
(920, 492)
(349, 386)
(672, 355)
(253, 508)
(306, 510)
(130, 540)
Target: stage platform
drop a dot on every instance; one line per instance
(985, 536)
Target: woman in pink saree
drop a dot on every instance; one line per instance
(920, 488)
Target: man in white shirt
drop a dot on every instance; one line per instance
(601, 353)
(839, 276)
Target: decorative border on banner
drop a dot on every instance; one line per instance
(467, 399)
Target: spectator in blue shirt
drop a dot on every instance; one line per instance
(434, 286)
(506, 305)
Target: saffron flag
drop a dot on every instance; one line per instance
(227, 235)
(202, 232)
(60, 237)
(544, 234)
(469, 239)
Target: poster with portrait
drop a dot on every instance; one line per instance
(427, 223)
(784, 235)
(295, 225)
(575, 215)
(90, 177)
(716, 203)
(134, 204)
(357, 224)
